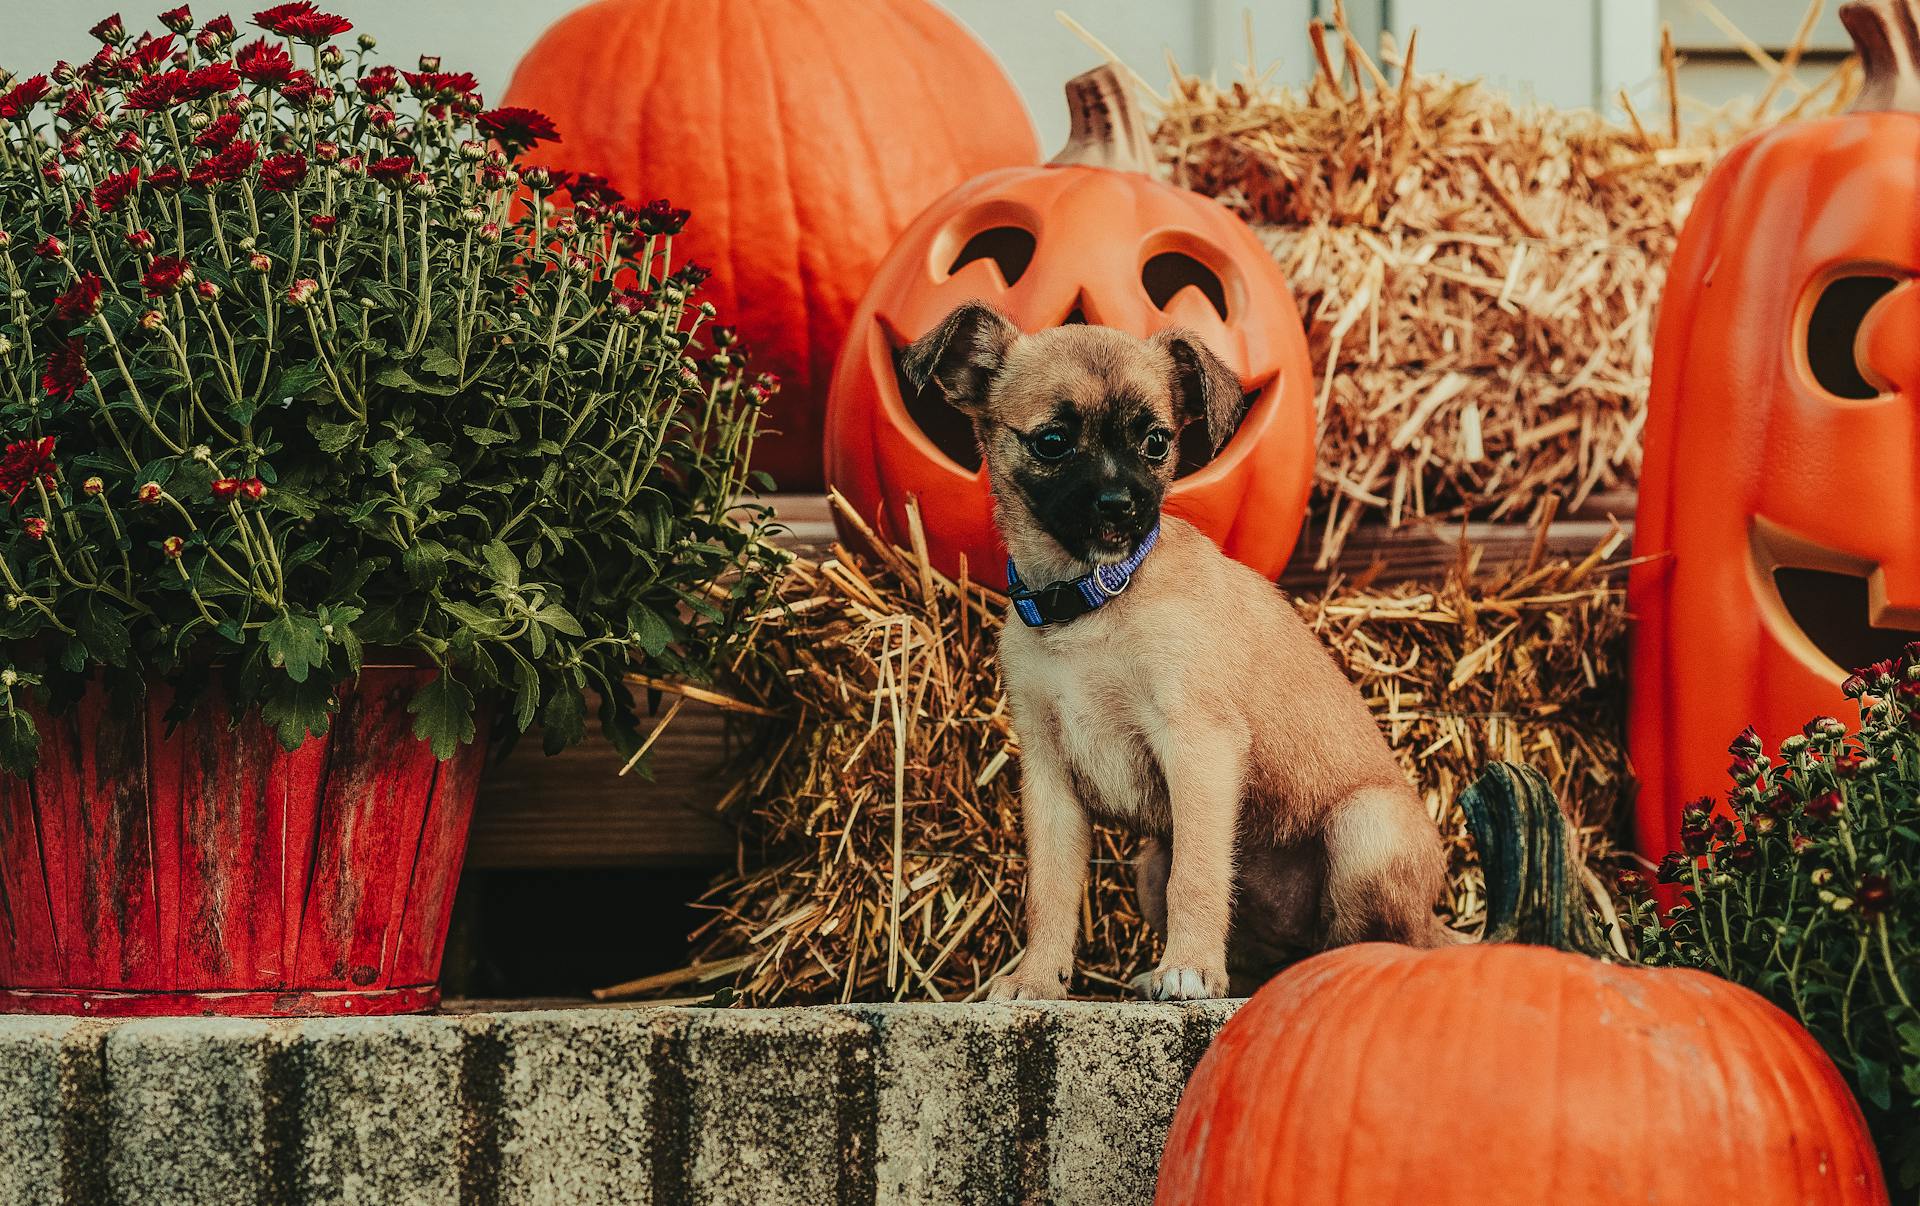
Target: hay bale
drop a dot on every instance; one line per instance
(1478, 278)
(882, 853)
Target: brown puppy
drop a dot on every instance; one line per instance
(1190, 703)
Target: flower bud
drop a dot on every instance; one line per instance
(367, 41)
(332, 56)
(537, 177)
(301, 292)
(253, 489)
(473, 150)
(1793, 744)
(1821, 876)
(130, 143)
(98, 123)
(35, 527)
(429, 62)
(53, 172)
(93, 487)
(198, 120)
(225, 487)
(490, 232)
(173, 546)
(152, 320)
(260, 262)
(326, 152)
(473, 215)
(6, 345)
(207, 290)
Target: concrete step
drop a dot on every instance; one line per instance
(1057, 1103)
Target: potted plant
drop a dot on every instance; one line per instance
(331, 446)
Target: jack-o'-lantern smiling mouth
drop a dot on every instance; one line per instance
(1825, 604)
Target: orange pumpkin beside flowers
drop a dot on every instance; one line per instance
(1499, 1073)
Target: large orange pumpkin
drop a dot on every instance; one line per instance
(1501, 1074)
(1090, 237)
(803, 134)
(1780, 495)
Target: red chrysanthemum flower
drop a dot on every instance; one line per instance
(66, 370)
(302, 22)
(104, 65)
(165, 274)
(323, 224)
(264, 62)
(109, 30)
(229, 165)
(23, 463)
(218, 133)
(19, 100)
(392, 170)
(378, 82)
(80, 215)
(111, 191)
(77, 105)
(156, 92)
(659, 217)
(517, 128)
(50, 248)
(282, 172)
(164, 179)
(81, 300)
(440, 83)
(179, 20)
(216, 33)
(148, 53)
(211, 80)
(301, 88)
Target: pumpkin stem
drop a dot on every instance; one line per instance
(1533, 882)
(1887, 35)
(1106, 131)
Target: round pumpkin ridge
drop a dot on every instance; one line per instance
(1778, 532)
(803, 134)
(1499, 1073)
(1093, 220)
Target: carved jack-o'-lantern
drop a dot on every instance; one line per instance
(1780, 493)
(1091, 238)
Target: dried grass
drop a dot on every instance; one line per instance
(1478, 278)
(883, 837)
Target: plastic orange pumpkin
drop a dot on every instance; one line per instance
(803, 134)
(1780, 494)
(1092, 238)
(1500, 1074)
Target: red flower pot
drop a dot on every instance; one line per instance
(202, 869)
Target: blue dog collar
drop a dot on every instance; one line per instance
(1059, 602)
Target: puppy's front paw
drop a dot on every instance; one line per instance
(1166, 983)
(1019, 985)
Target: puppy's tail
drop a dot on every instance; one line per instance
(1533, 879)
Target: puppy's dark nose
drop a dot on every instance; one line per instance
(1115, 502)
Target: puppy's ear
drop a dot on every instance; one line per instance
(1204, 388)
(961, 355)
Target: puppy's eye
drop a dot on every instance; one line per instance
(1158, 442)
(1050, 443)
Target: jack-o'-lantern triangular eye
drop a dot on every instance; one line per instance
(1166, 274)
(1833, 333)
(1009, 247)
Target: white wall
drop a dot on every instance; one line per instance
(1568, 52)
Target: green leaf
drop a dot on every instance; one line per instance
(100, 626)
(296, 709)
(295, 643)
(653, 632)
(443, 715)
(485, 436)
(438, 362)
(425, 562)
(563, 722)
(395, 377)
(500, 560)
(1875, 1083)
(19, 741)
(332, 437)
(558, 618)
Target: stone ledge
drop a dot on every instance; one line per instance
(1060, 1103)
